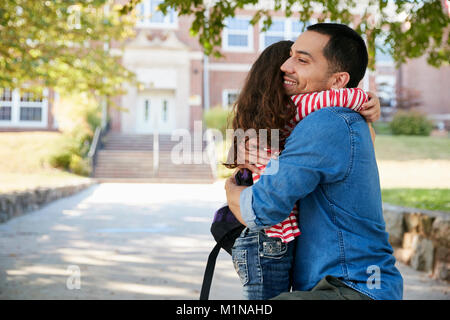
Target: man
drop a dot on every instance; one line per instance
(329, 167)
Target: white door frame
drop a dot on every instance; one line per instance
(155, 111)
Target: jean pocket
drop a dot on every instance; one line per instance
(273, 248)
(240, 264)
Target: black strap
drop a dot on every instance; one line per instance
(209, 271)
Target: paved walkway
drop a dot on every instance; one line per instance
(414, 174)
(129, 241)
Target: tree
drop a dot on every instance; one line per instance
(62, 44)
(423, 31)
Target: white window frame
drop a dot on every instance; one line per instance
(225, 93)
(16, 104)
(288, 34)
(146, 23)
(262, 35)
(8, 104)
(249, 33)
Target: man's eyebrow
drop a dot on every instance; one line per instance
(305, 53)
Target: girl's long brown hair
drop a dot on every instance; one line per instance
(262, 103)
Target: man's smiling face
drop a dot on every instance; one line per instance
(307, 69)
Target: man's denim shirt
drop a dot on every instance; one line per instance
(329, 166)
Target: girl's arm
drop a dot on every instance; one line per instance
(352, 98)
(367, 104)
(372, 133)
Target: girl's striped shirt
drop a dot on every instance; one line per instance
(307, 103)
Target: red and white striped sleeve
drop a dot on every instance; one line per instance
(307, 103)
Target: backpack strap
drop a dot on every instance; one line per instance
(209, 271)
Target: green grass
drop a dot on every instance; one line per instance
(382, 127)
(24, 160)
(27, 152)
(428, 199)
(388, 147)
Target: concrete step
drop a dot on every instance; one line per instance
(118, 141)
(130, 156)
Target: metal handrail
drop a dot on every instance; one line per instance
(96, 145)
(93, 148)
(155, 152)
(211, 151)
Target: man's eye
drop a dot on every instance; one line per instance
(302, 61)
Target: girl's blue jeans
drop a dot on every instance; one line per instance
(263, 263)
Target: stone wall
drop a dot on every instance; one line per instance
(17, 203)
(420, 238)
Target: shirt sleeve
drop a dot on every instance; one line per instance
(307, 103)
(318, 151)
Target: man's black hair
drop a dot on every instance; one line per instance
(345, 51)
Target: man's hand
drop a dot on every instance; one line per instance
(233, 192)
(371, 110)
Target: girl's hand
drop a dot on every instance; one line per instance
(371, 110)
(250, 154)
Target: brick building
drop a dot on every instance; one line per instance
(427, 87)
(178, 82)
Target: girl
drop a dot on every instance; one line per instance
(263, 259)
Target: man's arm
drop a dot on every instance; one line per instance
(317, 151)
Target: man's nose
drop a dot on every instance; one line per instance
(286, 67)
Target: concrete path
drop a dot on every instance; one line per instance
(129, 241)
(427, 174)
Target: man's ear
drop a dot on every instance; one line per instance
(339, 80)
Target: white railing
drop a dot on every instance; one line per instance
(211, 151)
(155, 152)
(93, 148)
(94, 143)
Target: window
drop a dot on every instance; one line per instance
(274, 34)
(385, 85)
(30, 106)
(5, 104)
(6, 95)
(238, 35)
(382, 55)
(23, 108)
(281, 29)
(30, 97)
(149, 15)
(296, 29)
(30, 114)
(229, 97)
(5, 113)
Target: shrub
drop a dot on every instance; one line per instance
(217, 118)
(79, 166)
(382, 127)
(63, 151)
(60, 160)
(411, 123)
(78, 116)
